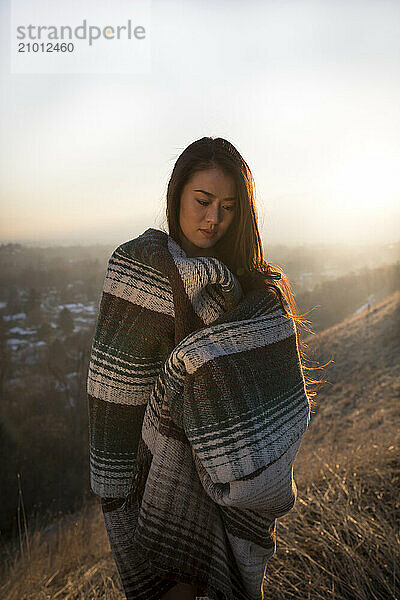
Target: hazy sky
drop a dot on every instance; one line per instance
(308, 91)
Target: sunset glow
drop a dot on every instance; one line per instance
(309, 96)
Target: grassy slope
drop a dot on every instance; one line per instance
(341, 541)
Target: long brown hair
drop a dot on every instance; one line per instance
(240, 249)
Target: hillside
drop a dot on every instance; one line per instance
(360, 401)
(340, 542)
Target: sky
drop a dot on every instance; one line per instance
(307, 91)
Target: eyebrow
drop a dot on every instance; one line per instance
(213, 196)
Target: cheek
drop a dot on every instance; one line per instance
(192, 212)
(183, 213)
(229, 220)
(188, 215)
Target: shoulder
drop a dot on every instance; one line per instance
(143, 248)
(269, 298)
(134, 275)
(274, 307)
(135, 266)
(131, 247)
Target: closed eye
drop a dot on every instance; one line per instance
(205, 203)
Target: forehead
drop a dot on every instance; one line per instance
(214, 181)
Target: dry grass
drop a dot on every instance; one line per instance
(342, 539)
(71, 561)
(340, 542)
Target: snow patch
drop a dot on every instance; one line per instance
(21, 331)
(17, 317)
(14, 342)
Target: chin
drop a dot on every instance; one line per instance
(206, 243)
(198, 243)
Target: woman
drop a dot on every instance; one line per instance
(187, 380)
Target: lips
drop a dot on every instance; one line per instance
(208, 232)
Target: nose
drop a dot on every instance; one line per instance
(214, 214)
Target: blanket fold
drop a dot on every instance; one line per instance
(197, 406)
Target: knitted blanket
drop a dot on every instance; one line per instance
(197, 406)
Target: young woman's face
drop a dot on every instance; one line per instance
(207, 204)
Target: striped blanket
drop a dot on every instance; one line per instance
(197, 406)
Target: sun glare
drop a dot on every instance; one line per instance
(368, 180)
